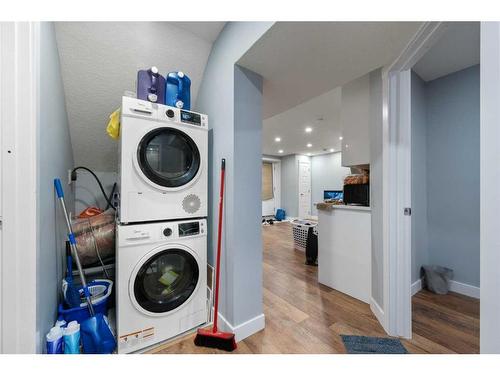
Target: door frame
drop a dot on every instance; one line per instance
(19, 119)
(276, 179)
(397, 180)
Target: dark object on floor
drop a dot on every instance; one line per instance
(372, 345)
(211, 337)
(312, 246)
(436, 278)
(270, 222)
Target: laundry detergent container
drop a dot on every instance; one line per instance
(151, 86)
(178, 90)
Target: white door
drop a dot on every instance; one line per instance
(304, 189)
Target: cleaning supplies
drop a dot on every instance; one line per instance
(71, 294)
(212, 337)
(61, 323)
(151, 85)
(178, 90)
(99, 339)
(55, 340)
(71, 336)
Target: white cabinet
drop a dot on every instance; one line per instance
(355, 122)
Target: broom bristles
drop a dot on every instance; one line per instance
(218, 340)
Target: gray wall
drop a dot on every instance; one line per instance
(452, 175)
(232, 99)
(55, 158)
(419, 234)
(327, 174)
(376, 192)
(87, 192)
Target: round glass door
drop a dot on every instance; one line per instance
(166, 280)
(168, 157)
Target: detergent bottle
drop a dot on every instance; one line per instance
(178, 90)
(151, 85)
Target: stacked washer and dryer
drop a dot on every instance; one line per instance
(161, 257)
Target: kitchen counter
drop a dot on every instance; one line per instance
(331, 206)
(344, 249)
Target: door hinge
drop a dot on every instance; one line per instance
(407, 211)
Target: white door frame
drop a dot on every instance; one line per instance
(19, 98)
(490, 180)
(397, 180)
(276, 179)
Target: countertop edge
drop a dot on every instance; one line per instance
(328, 206)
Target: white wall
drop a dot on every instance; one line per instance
(55, 158)
(327, 174)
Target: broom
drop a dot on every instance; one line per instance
(212, 337)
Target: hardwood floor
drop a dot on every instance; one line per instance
(303, 316)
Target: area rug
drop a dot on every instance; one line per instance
(372, 345)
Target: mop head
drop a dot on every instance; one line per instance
(218, 340)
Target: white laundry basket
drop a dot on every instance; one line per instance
(300, 231)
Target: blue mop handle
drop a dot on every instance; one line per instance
(72, 243)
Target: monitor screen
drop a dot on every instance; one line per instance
(333, 194)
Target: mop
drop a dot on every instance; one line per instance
(212, 337)
(96, 335)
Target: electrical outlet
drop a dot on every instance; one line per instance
(69, 177)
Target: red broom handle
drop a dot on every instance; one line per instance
(219, 243)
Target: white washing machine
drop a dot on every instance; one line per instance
(163, 162)
(161, 281)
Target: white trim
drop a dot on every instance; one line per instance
(455, 286)
(19, 125)
(397, 179)
(377, 311)
(465, 289)
(245, 329)
(416, 287)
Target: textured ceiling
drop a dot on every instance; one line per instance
(99, 61)
(322, 114)
(458, 48)
(301, 60)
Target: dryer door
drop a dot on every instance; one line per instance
(168, 157)
(166, 280)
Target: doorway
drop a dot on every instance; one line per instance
(271, 186)
(304, 188)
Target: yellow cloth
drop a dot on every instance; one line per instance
(113, 128)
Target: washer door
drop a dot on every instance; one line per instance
(168, 157)
(166, 280)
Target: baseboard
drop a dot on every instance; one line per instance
(245, 329)
(465, 289)
(378, 312)
(416, 287)
(455, 286)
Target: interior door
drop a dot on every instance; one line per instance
(304, 189)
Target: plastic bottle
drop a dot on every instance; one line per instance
(71, 336)
(60, 322)
(55, 341)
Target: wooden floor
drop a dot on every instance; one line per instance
(303, 316)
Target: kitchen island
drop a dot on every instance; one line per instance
(344, 249)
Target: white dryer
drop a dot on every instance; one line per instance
(163, 162)
(161, 281)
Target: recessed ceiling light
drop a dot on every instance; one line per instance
(280, 151)
(309, 145)
(309, 154)
(309, 129)
(332, 149)
(341, 138)
(277, 139)
(346, 146)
